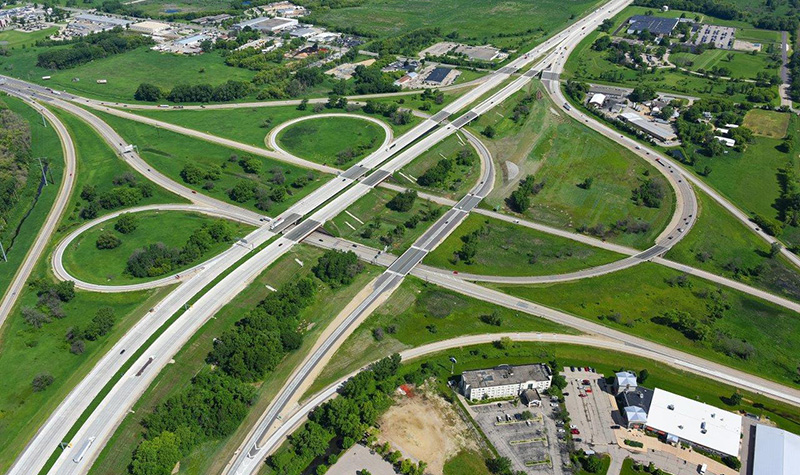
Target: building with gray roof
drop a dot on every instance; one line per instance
(776, 451)
(654, 24)
(504, 381)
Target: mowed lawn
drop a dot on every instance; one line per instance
(477, 20)
(627, 300)
(12, 39)
(169, 152)
(460, 179)
(84, 261)
(418, 313)
(562, 153)
(509, 249)
(334, 141)
(212, 456)
(767, 123)
(124, 72)
(369, 220)
(741, 65)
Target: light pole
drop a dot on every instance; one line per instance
(44, 177)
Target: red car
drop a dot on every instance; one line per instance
(588, 390)
(574, 431)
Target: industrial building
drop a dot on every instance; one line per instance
(683, 420)
(150, 27)
(104, 22)
(664, 133)
(267, 25)
(212, 20)
(504, 381)
(441, 76)
(776, 451)
(653, 24)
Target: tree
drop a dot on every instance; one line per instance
(586, 183)
(402, 202)
(34, 317)
(775, 249)
(41, 381)
(489, 131)
(337, 268)
(499, 465)
(148, 93)
(592, 464)
(643, 375)
(241, 192)
(157, 456)
(642, 94)
(126, 223)
(735, 399)
(303, 105)
(107, 240)
(504, 343)
(192, 174)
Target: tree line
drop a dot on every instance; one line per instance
(90, 47)
(127, 191)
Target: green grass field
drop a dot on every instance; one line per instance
(627, 301)
(169, 152)
(141, 65)
(466, 461)
(742, 65)
(11, 39)
(85, 262)
(460, 180)
(510, 249)
(562, 153)
(719, 243)
(211, 457)
(607, 362)
(505, 24)
(767, 123)
(328, 140)
(627, 468)
(422, 313)
(371, 210)
(44, 143)
(245, 125)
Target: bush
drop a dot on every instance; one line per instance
(107, 240)
(41, 381)
(337, 268)
(402, 202)
(634, 443)
(34, 317)
(148, 93)
(241, 192)
(126, 223)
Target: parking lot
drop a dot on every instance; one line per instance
(531, 445)
(592, 409)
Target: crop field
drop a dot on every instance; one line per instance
(86, 262)
(508, 249)
(370, 222)
(630, 300)
(170, 152)
(562, 153)
(141, 65)
(473, 20)
(767, 123)
(334, 141)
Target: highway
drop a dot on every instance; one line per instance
(331, 198)
(53, 217)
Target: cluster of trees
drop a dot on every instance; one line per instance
(371, 80)
(390, 110)
(193, 174)
(788, 203)
(621, 52)
(217, 400)
(276, 190)
(437, 175)
(427, 214)
(225, 92)
(337, 268)
(15, 154)
(348, 154)
(522, 109)
(589, 463)
(346, 418)
(126, 224)
(88, 48)
(127, 191)
(402, 202)
(626, 225)
(100, 324)
(469, 246)
(692, 128)
(48, 305)
(158, 259)
(41, 382)
(650, 193)
(520, 199)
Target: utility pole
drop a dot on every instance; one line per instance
(44, 177)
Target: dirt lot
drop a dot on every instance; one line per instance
(424, 427)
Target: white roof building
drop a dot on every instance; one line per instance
(149, 27)
(777, 452)
(597, 100)
(725, 141)
(695, 422)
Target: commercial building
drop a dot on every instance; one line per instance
(634, 404)
(150, 27)
(441, 76)
(663, 133)
(653, 24)
(212, 20)
(303, 32)
(597, 100)
(104, 22)
(504, 381)
(685, 420)
(267, 25)
(625, 381)
(776, 451)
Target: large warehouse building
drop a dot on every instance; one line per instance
(504, 381)
(684, 420)
(776, 452)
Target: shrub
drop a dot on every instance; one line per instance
(41, 381)
(107, 240)
(402, 202)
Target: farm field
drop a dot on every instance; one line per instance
(84, 261)
(560, 154)
(508, 249)
(767, 123)
(632, 300)
(335, 141)
(211, 457)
